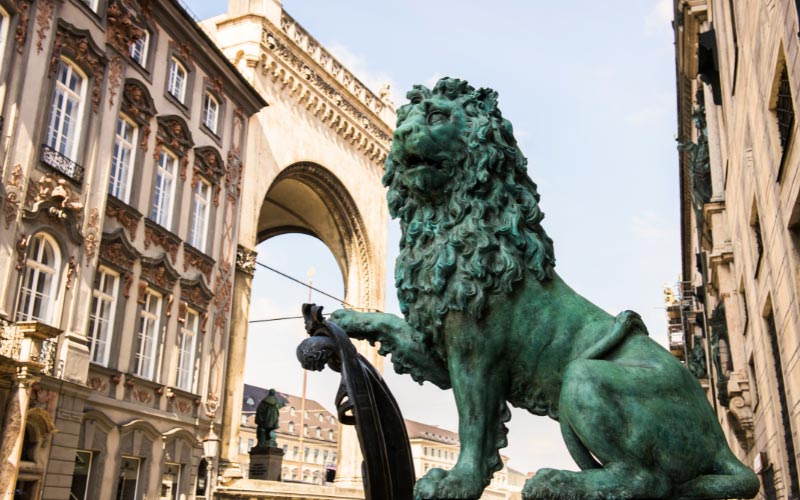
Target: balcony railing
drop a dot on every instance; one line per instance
(61, 163)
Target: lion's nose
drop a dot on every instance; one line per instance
(402, 132)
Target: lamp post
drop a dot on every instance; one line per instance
(210, 450)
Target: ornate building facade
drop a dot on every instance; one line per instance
(123, 151)
(735, 317)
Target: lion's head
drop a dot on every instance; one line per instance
(468, 211)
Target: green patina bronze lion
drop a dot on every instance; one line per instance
(487, 315)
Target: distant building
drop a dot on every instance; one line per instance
(738, 306)
(309, 438)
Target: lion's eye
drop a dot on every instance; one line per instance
(416, 99)
(435, 117)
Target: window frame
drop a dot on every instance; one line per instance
(156, 320)
(208, 97)
(157, 210)
(176, 63)
(183, 332)
(176, 490)
(138, 475)
(86, 488)
(101, 274)
(36, 269)
(133, 144)
(74, 136)
(145, 49)
(205, 203)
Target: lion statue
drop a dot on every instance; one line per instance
(487, 316)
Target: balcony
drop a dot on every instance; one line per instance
(29, 343)
(62, 164)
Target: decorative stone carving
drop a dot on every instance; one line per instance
(183, 406)
(13, 195)
(183, 49)
(222, 289)
(23, 9)
(196, 293)
(72, 268)
(173, 133)
(159, 273)
(98, 384)
(143, 396)
(91, 235)
(44, 14)
(720, 351)
(138, 105)
(212, 404)
(117, 251)
(208, 164)
(79, 46)
(740, 409)
(121, 30)
(22, 246)
(246, 260)
(214, 83)
(114, 74)
(155, 234)
(51, 197)
(197, 259)
(233, 175)
(127, 216)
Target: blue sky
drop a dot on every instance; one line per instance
(590, 89)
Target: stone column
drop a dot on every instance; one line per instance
(237, 350)
(14, 432)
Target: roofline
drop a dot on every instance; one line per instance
(255, 100)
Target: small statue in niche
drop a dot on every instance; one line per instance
(267, 417)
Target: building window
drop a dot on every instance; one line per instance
(170, 482)
(92, 4)
(101, 316)
(39, 286)
(202, 477)
(291, 410)
(200, 211)
(755, 225)
(147, 336)
(176, 82)
(316, 455)
(295, 450)
(164, 190)
(250, 444)
(330, 434)
(324, 456)
(285, 449)
(4, 21)
(128, 479)
(210, 112)
(81, 475)
(63, 131)
(305, 429)
(291, 427)
(139, 47)
(122, 159)
(318, 432)
(242, 446)
(306, 451)
(244, 419)
(187, 350)
(784, 112)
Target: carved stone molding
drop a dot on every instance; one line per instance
(79, 46)
(246, 260)
(159, 273)
(197, 259)
(138, 105)
(183, 49)
(14, 196)
(23, 9)
(740, 410)
(22, 247)
(222, 289)
(196, 293)
(233, 175)
(155, 234)
(122, 29)
(208, 164)
(127, 216)
(214, 83)
(324, 87)
(117, 251)
(114, 75)
(44, 16)
(51, 198)
(173, 133)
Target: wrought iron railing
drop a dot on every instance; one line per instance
(61, 163)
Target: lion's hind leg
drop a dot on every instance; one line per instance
(734, 480)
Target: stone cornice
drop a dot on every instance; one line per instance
(292, 59)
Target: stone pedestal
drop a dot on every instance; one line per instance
(266, 463)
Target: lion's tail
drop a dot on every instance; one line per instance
(732, 480)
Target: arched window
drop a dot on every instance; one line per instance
(291, 427)
(164, 191)
(330, 434)
(66, 113)
(39, 286)
(318, 432)
(187, 345)
(201, 204)
(122, 159)
(291, 410)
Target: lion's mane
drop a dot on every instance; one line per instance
(481, 238)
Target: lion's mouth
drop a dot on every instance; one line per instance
(415, 163)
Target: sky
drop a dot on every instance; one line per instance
(590, 89)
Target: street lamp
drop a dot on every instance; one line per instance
(210, 450)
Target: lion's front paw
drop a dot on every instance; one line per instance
(439, 484)
(357, 325)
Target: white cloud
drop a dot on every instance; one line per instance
(659, 17)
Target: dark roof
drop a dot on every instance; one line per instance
(253, 395)
(418, 430)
